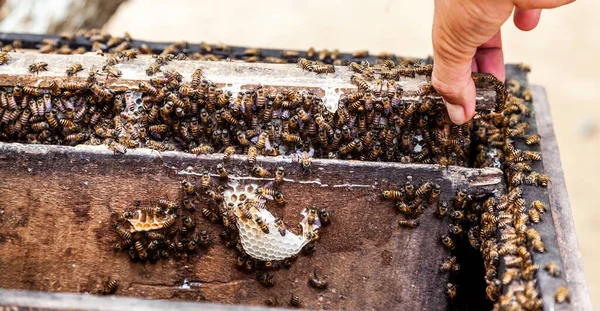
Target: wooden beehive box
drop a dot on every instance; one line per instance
(57, 206)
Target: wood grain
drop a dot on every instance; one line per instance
(56, 235)
(233, 75)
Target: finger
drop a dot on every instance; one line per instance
(527, 20)
(452, 74)
(490, 58)
(541, 4)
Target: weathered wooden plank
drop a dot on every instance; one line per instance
(13, 300)
(368, 261)
(235, 76)
(559, 201)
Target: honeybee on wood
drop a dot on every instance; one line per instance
(543, 180)
(324, 216)
(442, 209)
(323, 68)
(451, 291)
(4, 57)
(260, 171)
(188, 187)
(316, 282)
(111, 71)
(312, 215)
(538, 206)
(305, 159)
(153, 68)
(263, 226)
(110, 287)
(202, 149)
(533, 139)
(562, 295)
(295, 301)
(124, 216)
(411, 223)
(37, 67)
(509, 275)
(128, 54)
(73, 69)
(553, 269)
(265, 279)
(534, 216)
(360, 54)
(447, 242)
(448, 264)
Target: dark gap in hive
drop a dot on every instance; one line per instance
(470, 281)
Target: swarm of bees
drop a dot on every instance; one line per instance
(371, 124)
(412, 200)
(164, 228)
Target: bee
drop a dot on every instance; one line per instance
(411, 223)
(128, 54)
(221, 171)
(435, 194)
(305, 160)
(553, 269)
(260, 171)
(532, 155)
(263, 226)
(141, 251)
(533, 139)
(110, 287)
(509, 275)
(323, 68)
(164, 203)
(543, 180)
(4, 57)
(447, 242)
(271, 302)
(360, 54)
(124, 216)
(37, 67)
(448, 264)
(73, 69)
(324, 216)
(459, 201)
(252, 154)
(122, 245)
(287, 137)
(170, 221)
(451, 290)
(265, 279)
(442, 209)
(295, 301)
(280, 226)
(305, 64)
(317, 283)
(188, 222)
(153, 69)
(312, 215)
(534, 216)
(360, 82)
(538, 206)
(562, 295)
(111, 71)
(202, 149)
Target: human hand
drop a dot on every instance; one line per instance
(466, 38)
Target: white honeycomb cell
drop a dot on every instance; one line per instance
(145, 222)
(259, 245)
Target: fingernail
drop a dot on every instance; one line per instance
(456, 113)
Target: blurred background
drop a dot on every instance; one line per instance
(562, 52)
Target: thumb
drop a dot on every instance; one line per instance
(459, 28)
